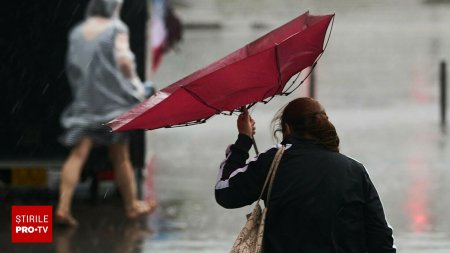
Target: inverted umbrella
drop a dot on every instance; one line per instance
(254, 73)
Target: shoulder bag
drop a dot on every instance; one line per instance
(250, 239)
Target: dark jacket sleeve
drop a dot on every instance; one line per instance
(240, 183)
(378, 232)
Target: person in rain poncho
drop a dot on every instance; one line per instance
(101, 71)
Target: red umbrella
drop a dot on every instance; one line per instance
(253, 73)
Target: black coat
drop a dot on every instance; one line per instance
(322, 201)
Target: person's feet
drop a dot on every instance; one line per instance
(141, 208)
(65, 219)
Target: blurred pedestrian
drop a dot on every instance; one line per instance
(101, 71)
(321, 200)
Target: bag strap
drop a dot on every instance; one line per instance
(280, 154)
(271, 174)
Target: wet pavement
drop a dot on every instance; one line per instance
(378, 80)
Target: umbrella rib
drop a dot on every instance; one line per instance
(190, 123)
(288, 91)
(280, 87)
(199, 99)
(277, 61)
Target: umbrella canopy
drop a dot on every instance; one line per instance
(251, 74)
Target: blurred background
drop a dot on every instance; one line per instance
(379, 80)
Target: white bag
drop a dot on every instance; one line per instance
(250, 239)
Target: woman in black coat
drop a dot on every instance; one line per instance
(321, 201)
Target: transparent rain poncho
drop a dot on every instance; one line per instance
(100, 90)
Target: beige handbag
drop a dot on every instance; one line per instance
(250, 238)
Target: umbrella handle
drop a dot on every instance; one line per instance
(254, 145)
(242, 109)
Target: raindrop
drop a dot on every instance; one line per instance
(58, 5)
(75, 10)
(19, 141)
(45, 88)
(61, 73)
(16, 107)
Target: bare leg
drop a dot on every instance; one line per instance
(70, 176)
(124, 176)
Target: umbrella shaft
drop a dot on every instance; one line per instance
(254, 145)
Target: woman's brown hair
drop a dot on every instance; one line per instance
(306, 118)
